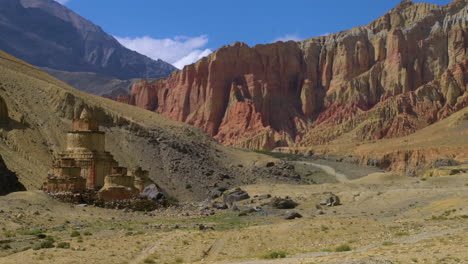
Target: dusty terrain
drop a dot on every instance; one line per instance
(384, 218)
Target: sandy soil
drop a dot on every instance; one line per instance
(384, 218)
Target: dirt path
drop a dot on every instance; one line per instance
(147, 252)
(329, 170)
(403, 240)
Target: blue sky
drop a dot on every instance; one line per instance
(181, 32)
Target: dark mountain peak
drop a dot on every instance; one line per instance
(48, 34)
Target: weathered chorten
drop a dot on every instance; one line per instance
(86, 146)
(65, 177)
(118, 185)
(86, 165)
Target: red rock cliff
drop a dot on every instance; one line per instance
(398, 74)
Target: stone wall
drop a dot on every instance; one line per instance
(58, 185)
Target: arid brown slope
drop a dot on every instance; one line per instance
(273, 95)
(183, 160)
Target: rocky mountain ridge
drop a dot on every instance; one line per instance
(48, 34)
(398, 74)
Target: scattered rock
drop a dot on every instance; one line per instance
(235, 196)
(283, 203)
(445, 163)
(152, 192)
(207, 204)
(202, 227)
(221, 206)
(332, 200)
(270, 164)
(292, 215)
(264, 196)
(41, 236)
(320, 212)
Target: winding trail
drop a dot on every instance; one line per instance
(340, 177)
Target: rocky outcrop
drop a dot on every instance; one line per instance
(408, 68)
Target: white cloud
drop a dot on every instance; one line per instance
(288, 37)
(62, 1)
(179, 51)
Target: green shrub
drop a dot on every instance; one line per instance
(44, 244)
(275, 255)
(278, 155)
(400, 234)
(343, 248)
(87, 233)
(30, 232)
(5, 246)
(63, 245)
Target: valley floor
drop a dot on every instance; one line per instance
(384, 218)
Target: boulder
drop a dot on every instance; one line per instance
(292, 215)
(235, 196)
(152, 192)
(331, 200)
(264, 196)
(283, 203)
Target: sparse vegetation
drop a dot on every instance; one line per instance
(44, 244)
(64, 245)
(30, 232)
(343, 248)
(278, 155)
(400, 234)
(75, 233)
(275, 255)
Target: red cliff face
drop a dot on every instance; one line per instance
(398, 74)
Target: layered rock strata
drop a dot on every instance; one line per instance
(396, 75)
